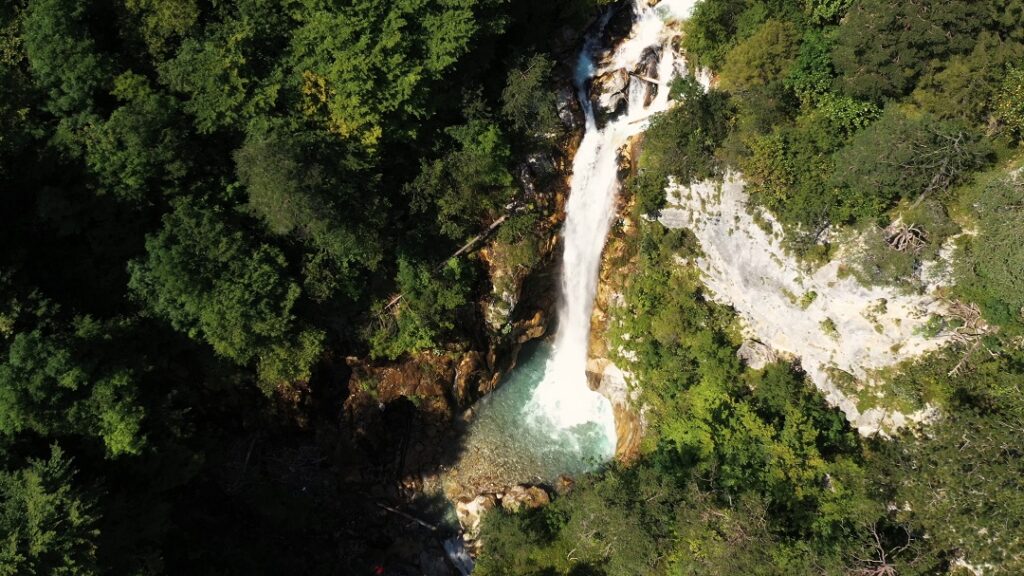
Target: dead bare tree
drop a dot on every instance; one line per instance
(946, 158)
(903, 238)
(970, 333)
(881, 563)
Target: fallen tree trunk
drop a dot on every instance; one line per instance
(465, 248)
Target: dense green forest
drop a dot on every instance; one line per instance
(204, 205)
(843, 116)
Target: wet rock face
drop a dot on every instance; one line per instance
(470, 510)
(646, 73)
(472, 377)
(607, 379)
(619, 26)
(569, 111)
(603, 375)
(609, 95)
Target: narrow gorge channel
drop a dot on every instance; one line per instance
(545, 420)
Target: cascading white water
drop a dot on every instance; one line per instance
(544, 420)
(563, 398)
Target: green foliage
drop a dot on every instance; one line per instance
(755, 71)
(846, 115)
(369, 61)
(58, 379)
(709, 33)
(518, 242)
(164, 21)
(761, 59)
(63, 55)
(219, 286)
(305, 196)
(812, 75)
(968, 86)
(1009, 107)
(972, 456)
(282, 191)
(787, 172)
(426, 312)
(528, 102)
(828, 326)
(883, 48)
(903, 157)
(139, 148)
(470, 183)
(48, 525)
(596, 531)
(990, 269)
(680, 143)
(827, 11)
(16, 92)
(216, 75)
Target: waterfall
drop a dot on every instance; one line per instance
(545, 420)
(563, 400)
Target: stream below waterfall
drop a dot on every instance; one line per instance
(545, 420)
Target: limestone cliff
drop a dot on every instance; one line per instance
(602, 373)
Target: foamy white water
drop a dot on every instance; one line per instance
(563, 400)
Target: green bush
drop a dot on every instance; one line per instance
(900, 157)
(681, 143)
(426, 311)
(990, 270)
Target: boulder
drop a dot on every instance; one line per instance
(756, 354)
(569, 109)
(609, 95)
(469, 374)
(564, 484)
(542, 164)
(470, 512)
(531, 328)
(522, 496)
(618, 27)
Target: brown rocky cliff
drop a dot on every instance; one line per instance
(602, 373)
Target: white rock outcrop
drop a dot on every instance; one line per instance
(829, 321)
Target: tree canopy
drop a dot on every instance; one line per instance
(204, 204)
(49, 526)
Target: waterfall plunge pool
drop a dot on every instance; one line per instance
(511, 440)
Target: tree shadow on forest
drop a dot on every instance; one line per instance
(289, 487)
(332, 482)
(387, 458)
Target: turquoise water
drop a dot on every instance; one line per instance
(511, 441)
